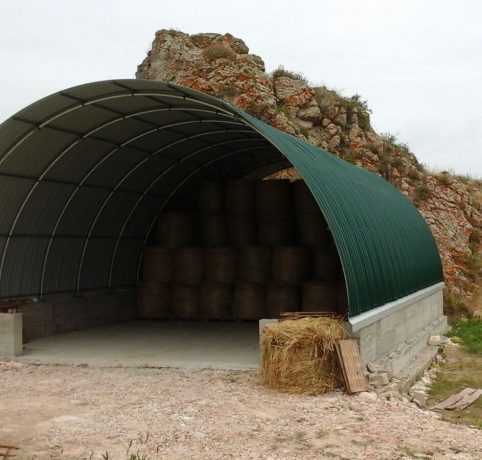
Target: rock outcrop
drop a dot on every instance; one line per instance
(222, 66)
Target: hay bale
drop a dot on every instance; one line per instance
(157, 264)
(290, 264)
(326, 264)
(249, 301)
(216, 301)
(281, 298)
(274, 197)
(320, 296)
(254, 264)
(213, 229)
(275, 229)
(185, 301)
(313, 230)
(221, 265)
(305, 202)
(211, 197)
(298, 356)
(241, 229)
(153, 300)
(189, 265)
(175, 229)
(240, 197)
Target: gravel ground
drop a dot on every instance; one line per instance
(82, 413)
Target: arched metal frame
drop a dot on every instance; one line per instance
(163, 139)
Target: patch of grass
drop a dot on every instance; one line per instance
(282, 72)
(462, 370)
(469, 329)
(219, 52)
(326, 98)
(421, 193)
(444, 179)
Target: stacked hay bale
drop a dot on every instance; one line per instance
(298, 356)
(251, 250)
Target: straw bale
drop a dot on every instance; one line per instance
(299, 355)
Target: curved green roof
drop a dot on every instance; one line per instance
(85, 172)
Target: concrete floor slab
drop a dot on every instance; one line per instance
(187, 345)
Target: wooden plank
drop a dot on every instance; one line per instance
(351, 362)
(460, 400)
(342, 365)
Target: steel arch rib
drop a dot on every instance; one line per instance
(89, 173)
(136, 204)
(104, 204)
(149, 229)
(35, 185)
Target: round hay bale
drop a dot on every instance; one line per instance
(189, 265)
(290, 264)
(211, 197)
(305, 202)
(153, 300)
(221, 265)
(216, 301)
(213, 229)
(241, 229)
(320, 296)
(175, 229)
(157, 264)
(240, 197)
(254, 264)
(274, 197)
(299, 356)
(342, 297)
(313, 230)
(326, 264)
(185, 301)
(281, 298)
(249, 301)
(275, 229)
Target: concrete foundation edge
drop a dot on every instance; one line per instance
(60, 314)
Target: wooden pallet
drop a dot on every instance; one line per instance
(6, 452)
(350, 364)
(310, 314)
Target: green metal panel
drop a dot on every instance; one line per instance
(386, 248)
(102, 143)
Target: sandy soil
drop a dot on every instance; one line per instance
(82, 413)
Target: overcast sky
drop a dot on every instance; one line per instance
(417, 62)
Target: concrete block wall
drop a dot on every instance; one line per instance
(10, 335)
(67, 313)
(391, 328)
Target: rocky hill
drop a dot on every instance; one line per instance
(222, 66)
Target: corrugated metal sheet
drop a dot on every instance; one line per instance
(386, 248)
(61, 272)
(84, 173)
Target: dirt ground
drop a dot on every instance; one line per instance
(83, 413)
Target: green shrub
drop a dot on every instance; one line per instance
(282, 72)
(422, 193)
(219, 52)
(397, 163)
(413, 174)
(444, 179)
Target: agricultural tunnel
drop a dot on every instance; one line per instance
(85, 173)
